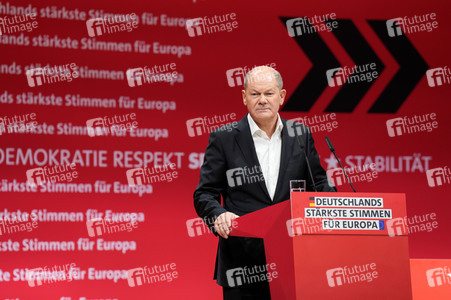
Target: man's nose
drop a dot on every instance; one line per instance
(262, 99)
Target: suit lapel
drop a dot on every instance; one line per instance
(247, 147)
(286, 152)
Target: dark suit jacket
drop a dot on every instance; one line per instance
(235, 149)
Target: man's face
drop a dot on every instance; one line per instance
(262, 97)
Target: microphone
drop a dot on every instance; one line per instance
(332, 149)
(302, 145)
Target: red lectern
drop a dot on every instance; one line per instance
(334, 245)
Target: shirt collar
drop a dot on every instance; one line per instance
(255, 129)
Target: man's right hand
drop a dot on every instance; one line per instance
(223, 224)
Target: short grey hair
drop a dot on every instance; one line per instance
(274, 74)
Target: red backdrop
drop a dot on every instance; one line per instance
(202, 89)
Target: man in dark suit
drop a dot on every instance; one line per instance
(251, 167)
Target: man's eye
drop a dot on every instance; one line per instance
(254, 94)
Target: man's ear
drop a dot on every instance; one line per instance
(243, 93)
(283, 93)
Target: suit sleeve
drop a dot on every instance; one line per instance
(212, 183)
(318, 172)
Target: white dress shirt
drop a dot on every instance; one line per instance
(268, 152)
